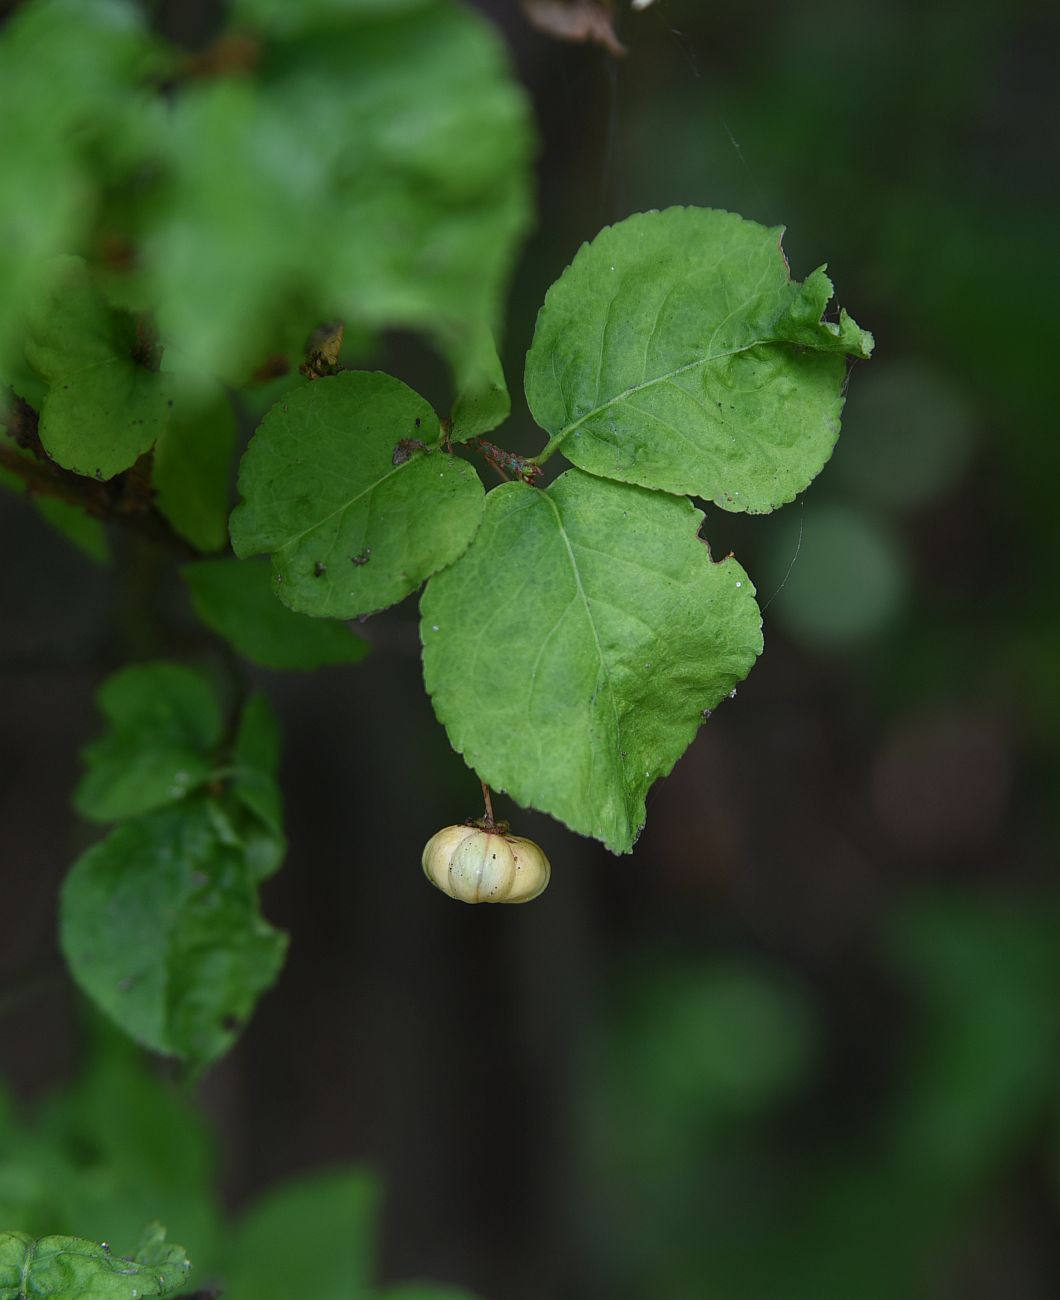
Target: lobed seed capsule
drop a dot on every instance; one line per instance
(476, 865)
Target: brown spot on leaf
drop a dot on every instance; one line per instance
(404, 448)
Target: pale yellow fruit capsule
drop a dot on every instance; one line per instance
(485, 866)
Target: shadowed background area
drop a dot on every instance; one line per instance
(805, 1041)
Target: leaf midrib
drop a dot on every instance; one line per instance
(596, 637)
(27, 1262)
(565, 432)
(346, 505)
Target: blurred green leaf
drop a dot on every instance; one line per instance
(838, 575)
(279, 18)
(256, 758)
(257, 744)
(703, 1048)
(482, 398)
(237, 600)
(235, 227)
(191, 467)
(428, 138)
(314, 1237)
(160, 925)
(406, 210)
(346, 486)
(70, 72)
(909, 435)
(609, 631)
(105, 405)
(69, 1268)
(115, 1146)
(987, 1039)
(164, 724)
(131, 1121)
(676, 352)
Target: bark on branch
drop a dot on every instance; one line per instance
(126, 499)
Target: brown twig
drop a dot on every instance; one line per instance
(508, 464)
(126, 499)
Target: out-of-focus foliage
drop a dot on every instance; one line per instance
(838, 574)
(71, 79)
(236, 599)
(373, 167)
(110, 1151)
(314, 1237)
(189, 472)
(121, 1139)
(716, 1185)
(103, 409)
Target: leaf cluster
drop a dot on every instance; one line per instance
(321, 173)
(160, 921)
(574, 637)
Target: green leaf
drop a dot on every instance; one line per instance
(280, 18)
(125, 1118)
(130, 1140)
(482, 399)
(104, 406)
(256, 760)
(235, 598)
(345, 485)
(427, 141)
(849, 583)
(164, 726)
(69, 1268)
(676, 352)
(311, 1238)
(69, 71)
(192, 462)
(257, 746)
(235, 230)
(405, 211)
(160, 926)
(572, 650)
(120, 1140)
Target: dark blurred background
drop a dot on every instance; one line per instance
(805, 1042)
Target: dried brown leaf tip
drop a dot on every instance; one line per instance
(576, 20)
(404, 449)
(322, 357)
